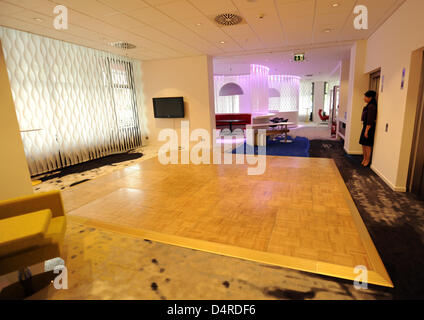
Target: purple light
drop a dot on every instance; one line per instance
(259, 88)
(256, 87)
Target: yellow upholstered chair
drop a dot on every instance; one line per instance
(32, 229)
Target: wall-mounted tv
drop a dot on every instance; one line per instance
(169, 107)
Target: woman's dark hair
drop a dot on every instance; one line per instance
(373, 95)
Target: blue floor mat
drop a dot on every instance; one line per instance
(298, 148)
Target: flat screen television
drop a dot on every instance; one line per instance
(169, 107)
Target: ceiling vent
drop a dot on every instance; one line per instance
(228, 19)
(123, 45)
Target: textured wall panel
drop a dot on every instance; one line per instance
(83, 100)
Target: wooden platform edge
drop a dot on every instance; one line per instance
(288, 262)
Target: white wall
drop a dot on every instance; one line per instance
(191, 78)
(391, 48)
(344, 89)
(15, 180)
(358, 85)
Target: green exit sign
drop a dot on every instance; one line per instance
(299, 57)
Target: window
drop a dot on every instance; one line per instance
(124, 96)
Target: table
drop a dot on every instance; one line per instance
(282, 124)
(230, 122)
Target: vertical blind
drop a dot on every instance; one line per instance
(73, 103)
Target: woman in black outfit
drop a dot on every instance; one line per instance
(369, 118)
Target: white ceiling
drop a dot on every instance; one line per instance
(177, 28)
(322, 63)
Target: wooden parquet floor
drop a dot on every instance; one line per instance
(298, 214)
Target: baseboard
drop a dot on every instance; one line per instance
(387, 181)
(355, 153)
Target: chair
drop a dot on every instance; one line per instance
(32, 229)
(323, 117)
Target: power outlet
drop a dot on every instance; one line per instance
(387, 127)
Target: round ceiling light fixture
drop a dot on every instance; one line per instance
(123, 45)
(231, 89)
(228, 19)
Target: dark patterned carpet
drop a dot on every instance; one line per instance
(394, 220)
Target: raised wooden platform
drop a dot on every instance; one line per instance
(298, 215)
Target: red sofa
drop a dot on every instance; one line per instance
(245, 117)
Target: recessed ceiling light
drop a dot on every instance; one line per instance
(335, 5)
(198, 24)
(38, 19)
(327, 30)
(222, 42)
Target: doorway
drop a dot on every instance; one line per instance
(375, 81)
(416, 176)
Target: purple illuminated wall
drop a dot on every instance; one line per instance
(259, 88)
(256, 98)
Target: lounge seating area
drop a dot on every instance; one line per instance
(233, 120)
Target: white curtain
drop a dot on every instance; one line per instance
(73, 103)
(288, 87)
(230, 104)
(305, 100)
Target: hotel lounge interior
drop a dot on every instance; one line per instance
(211, 150)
